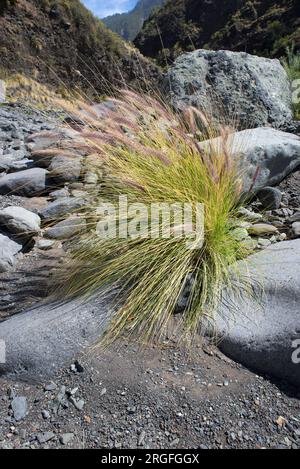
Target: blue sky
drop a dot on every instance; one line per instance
(104, 8)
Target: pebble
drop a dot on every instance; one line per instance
(44, 244)
(45, 414)
(50, 387)
(78, 404)
(263, 242)
(66, 438)
(142, 438)
(249, 215)
(262, 229)
(19, 407)
(45, 437)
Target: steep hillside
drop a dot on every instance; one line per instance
(263, 27)
(60, 43)
(128, 25)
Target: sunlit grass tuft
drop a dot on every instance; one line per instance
(152, 155)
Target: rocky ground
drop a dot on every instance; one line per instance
(158, 397)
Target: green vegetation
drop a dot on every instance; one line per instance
(257, 27)
(128, 25)
(61, 43)
(152, 156)
(92, 31)
(292, 65)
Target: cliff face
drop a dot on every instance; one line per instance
(128, 25)
(262, 27)
(62, 44)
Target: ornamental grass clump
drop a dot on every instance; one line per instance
(149, 155)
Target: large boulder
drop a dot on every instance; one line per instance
(25, 183)
(266, 155)
(18, 220)
(254, 91)
(262, 330)
(10, 253)
(42, 340)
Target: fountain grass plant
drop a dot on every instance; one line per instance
(151, 154)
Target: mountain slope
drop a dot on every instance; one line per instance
(263, 27)
(128, 25)
(62, 44)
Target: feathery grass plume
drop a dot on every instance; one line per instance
(152, 155)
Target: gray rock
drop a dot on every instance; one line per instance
(296, 229)
(60, 193)
(20, 221)
(269, 154)
(249, 215)
(44, 244)
(61, 207)
(260, 331)
(50, 386)
(43, 339)
(294, 218)
(10, 253)
(270, 197)
(45, 437)
(65, 169)
(67, 228)
(46, 415)
(11, 165)
(19, 408)
(254, 90)
(261, 229)
(25, 183)
(263, 242)
(16, 155)
(78, 404)
(2, 92)
(66, 438)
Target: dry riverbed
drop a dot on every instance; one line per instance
(124, 397)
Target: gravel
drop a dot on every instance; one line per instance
(163, 397)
